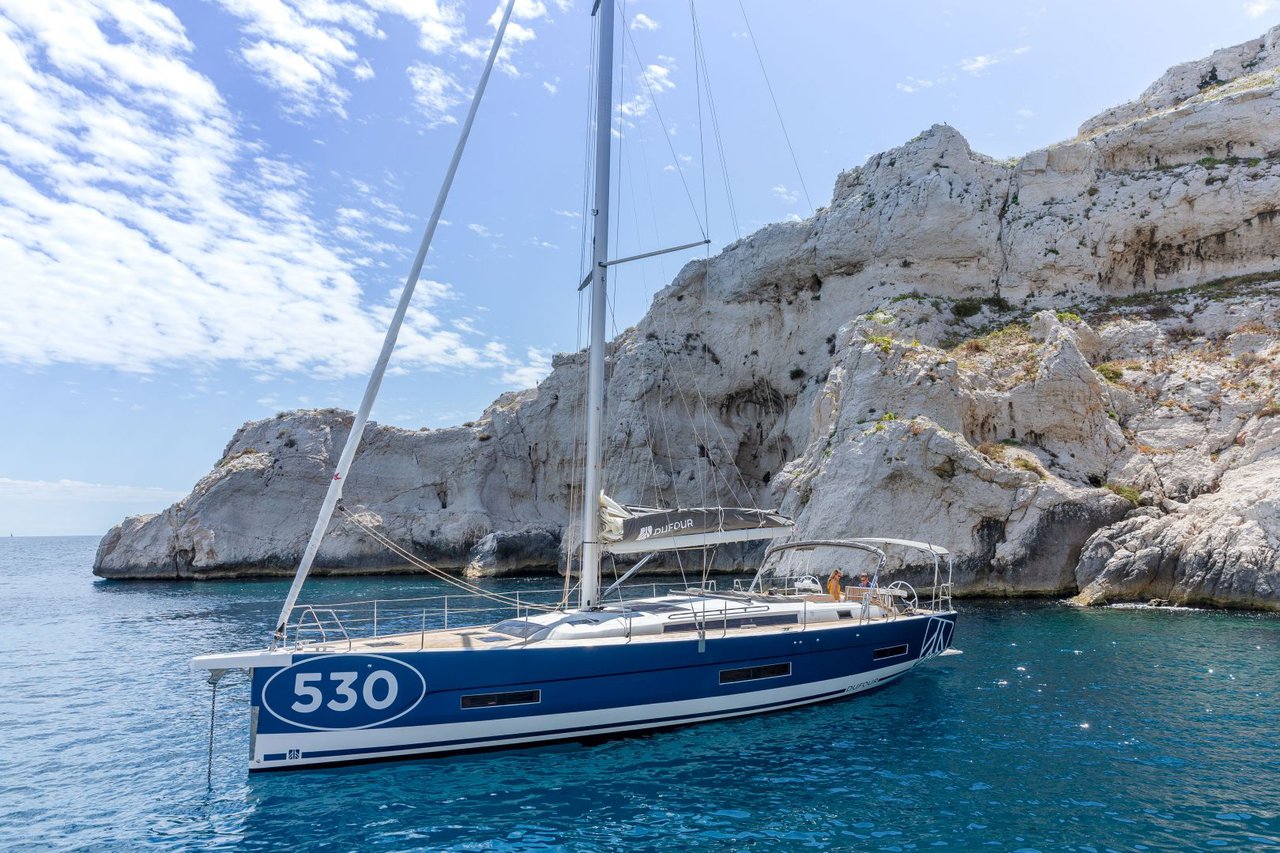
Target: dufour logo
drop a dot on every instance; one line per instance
(674, 527)
(334, 692)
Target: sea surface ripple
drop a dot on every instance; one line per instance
(1057, 729)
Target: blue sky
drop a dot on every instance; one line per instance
(208, 208)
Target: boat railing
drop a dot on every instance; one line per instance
(342, 623)
(317, 617)
(939, 596)
(774, 576)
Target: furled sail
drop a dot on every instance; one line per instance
(636, 529)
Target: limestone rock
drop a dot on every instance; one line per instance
(514, 551)
(875, 465)
(1219, 549)
(1189, 80)
(1073, 353)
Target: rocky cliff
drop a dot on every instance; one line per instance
(1063, 368)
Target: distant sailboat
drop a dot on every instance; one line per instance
(355, 683)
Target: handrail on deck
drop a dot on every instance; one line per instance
(351, 620)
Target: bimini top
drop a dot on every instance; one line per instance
(635, 529)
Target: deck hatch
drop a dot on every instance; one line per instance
(654, 607)
(891, 652)
(717, 622)
(755, 673)
(493, 700)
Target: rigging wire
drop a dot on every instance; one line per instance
(588, 162)
(700, 56)
(653, 210)
(777, 111)
(635, 213)
(703, 436)
(705, 428)
(666, 133)
(652, 467)
(441, 574)
(702, 145)
(699, 434)
(706, 211)
(622, 152)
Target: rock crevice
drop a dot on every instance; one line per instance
(1063, 368)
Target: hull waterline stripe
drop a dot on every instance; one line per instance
(579, 731)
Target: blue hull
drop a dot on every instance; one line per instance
(340, 708)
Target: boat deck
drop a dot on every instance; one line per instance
(474, 637)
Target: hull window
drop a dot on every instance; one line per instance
(493, 700)
(891, 652)
(754, 673)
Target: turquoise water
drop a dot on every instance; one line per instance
(1058, 729)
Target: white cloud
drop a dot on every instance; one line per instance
(915, 84)
(479, 230)
(135, 212)
(643, 22)
(519, 32)
(536, 366)
(439, 24)
(1258, 8)
(658, 74)
(551, 88)
(652, 81)
(307, 81)
(435, 91)
(74, 490)
(569, 214)
(304, 48)
(977, 64)
(974, 65)
(1026, 113)
(300, 50)
(781, 192)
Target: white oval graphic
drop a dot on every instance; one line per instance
(341, 692)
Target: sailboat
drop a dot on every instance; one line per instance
(339, 684)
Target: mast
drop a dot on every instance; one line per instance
(590, 585)
(388, 344)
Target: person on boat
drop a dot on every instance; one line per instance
(865, 581)
(833, 585)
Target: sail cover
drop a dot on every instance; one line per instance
(635, 529)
